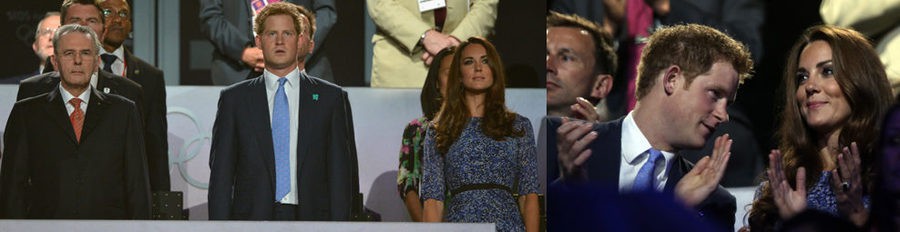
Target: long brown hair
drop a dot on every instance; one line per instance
(861, 76)
(454, 115)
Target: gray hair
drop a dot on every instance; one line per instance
(68, 28)
(37, 31)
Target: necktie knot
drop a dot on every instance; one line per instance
(108, 60)
(281, 81)
(76, 102)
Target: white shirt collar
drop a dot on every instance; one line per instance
(634, 143)
(93, 78)
(293, 78)
(66, 96)
(119, 53)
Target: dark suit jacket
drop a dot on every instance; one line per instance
(47, 174)
(242, 183)
(156, 125)
(603, 170)
(152, 114)
(227, 25)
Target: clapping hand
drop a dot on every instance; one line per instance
(572, 140)
(848, 186)
(789, 201)
(704, 178)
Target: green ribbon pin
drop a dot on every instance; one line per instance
(315, 97)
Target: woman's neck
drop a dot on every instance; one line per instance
(475, 104)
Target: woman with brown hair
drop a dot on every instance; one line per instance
(836, 93)
(479, 150)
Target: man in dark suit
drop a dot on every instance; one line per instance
(119, 60)
(228, 26)
(75, 152)
(296, 164)
(689, 74)
(87, 13)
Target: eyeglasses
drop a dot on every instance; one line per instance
(46, 31)
(122, 13)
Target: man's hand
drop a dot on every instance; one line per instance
(572, 140)
(253, 57)
(584, 109)
(704, 178)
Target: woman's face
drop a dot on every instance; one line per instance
(819, 97)
(444, 73)
(476, 69)
(891, 152)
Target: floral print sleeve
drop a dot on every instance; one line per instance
(409, 175)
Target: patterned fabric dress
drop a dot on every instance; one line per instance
(409, 174)
(477, 159)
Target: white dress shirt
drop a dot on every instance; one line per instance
(118, 66)
(292, 90)
(634, 155)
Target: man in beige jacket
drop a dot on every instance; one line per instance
(406, 37)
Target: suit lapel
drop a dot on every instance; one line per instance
(105, 84)
(95, 112)
(260, 119)
(131, 68)
(605, 167)
(304, 133)
(676, 172)
(56, 110)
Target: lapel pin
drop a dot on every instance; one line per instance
(105, 89)
(315, 97)
(137, 71)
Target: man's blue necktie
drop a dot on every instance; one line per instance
(281, 134)
(645, 177)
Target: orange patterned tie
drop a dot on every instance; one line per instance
(77, 117)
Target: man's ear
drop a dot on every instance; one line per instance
(602, 86)
(670, 77)
(258, 41)
(53, 61)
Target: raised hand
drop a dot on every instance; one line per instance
(583, 109)
(848, 187)
(704, 178)
(572, 140)
(788, 200)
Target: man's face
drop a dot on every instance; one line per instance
(570, 67)
(118, 21)
(280, 42)
(85, 15)
(43, 45)
(76, 59)
(695, 111)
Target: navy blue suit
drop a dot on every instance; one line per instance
(242, 157)
(603, 173)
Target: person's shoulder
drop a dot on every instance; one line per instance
(40, 78)
(322, 84)
(244, 86)
(145, 67)
(33, 100)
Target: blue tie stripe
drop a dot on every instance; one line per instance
(281, 134)
(645, 178)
